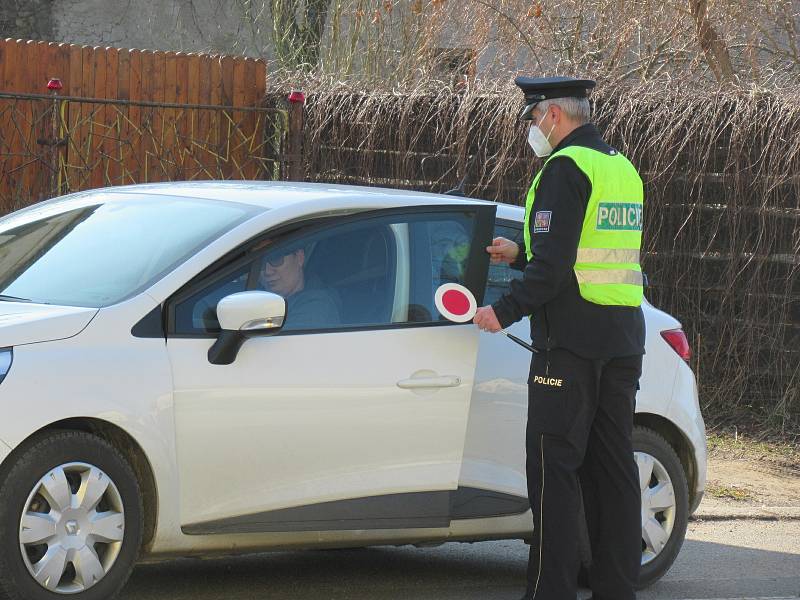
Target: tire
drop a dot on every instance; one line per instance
(665, 530)
(92, 544)
(647, 442)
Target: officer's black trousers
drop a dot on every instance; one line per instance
(580, 421)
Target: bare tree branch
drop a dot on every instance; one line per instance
(297, 27)
(717, 55)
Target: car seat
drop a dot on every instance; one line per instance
(356, 265)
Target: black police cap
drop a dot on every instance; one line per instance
(537, 89)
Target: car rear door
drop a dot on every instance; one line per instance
(356, 423)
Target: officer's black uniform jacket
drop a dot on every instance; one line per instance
(549, 290)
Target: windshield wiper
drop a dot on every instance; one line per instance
(5, 298)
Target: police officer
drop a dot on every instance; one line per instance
(582, 287)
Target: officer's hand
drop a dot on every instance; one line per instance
(502, 250)
(486, 320)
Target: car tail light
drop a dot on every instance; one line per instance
(676, 338)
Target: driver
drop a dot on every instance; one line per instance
(309, 304)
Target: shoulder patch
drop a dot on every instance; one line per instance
(541, 222)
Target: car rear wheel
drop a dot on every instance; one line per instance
(665, 503)
(665, 506)
(70, 519)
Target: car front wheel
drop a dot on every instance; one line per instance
(70, 519)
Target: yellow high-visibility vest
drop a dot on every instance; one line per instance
(607, 266)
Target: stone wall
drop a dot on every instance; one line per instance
(26, 19)
(215, 26)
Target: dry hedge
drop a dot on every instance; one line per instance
(722, 226)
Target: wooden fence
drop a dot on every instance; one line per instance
(130, 116)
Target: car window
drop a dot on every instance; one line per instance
(346, 275)
(499, 280)
(370, 272)
(198, 312)
(100, 254)
(445, 245)
(449, 251)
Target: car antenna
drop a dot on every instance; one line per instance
(459, 190)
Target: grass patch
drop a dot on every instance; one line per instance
(737, 445)
(729, 492)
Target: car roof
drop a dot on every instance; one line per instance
(276, 194)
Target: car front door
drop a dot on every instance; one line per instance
(494, 457)
(354, 416)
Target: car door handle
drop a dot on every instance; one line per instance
(416, 383)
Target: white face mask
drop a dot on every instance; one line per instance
(539, 141)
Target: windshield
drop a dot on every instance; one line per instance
(96, 254)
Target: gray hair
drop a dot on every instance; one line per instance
(577, 109)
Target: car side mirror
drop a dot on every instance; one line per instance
(244, 315)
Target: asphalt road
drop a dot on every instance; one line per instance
(723, 559)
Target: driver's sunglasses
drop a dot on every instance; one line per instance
(278, 261)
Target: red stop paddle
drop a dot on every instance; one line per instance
(456, 303)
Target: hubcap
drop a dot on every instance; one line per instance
(658, 505)
(72, 527)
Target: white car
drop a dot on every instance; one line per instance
(133, 426)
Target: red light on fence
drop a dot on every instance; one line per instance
(54, 84)
(297, 97)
